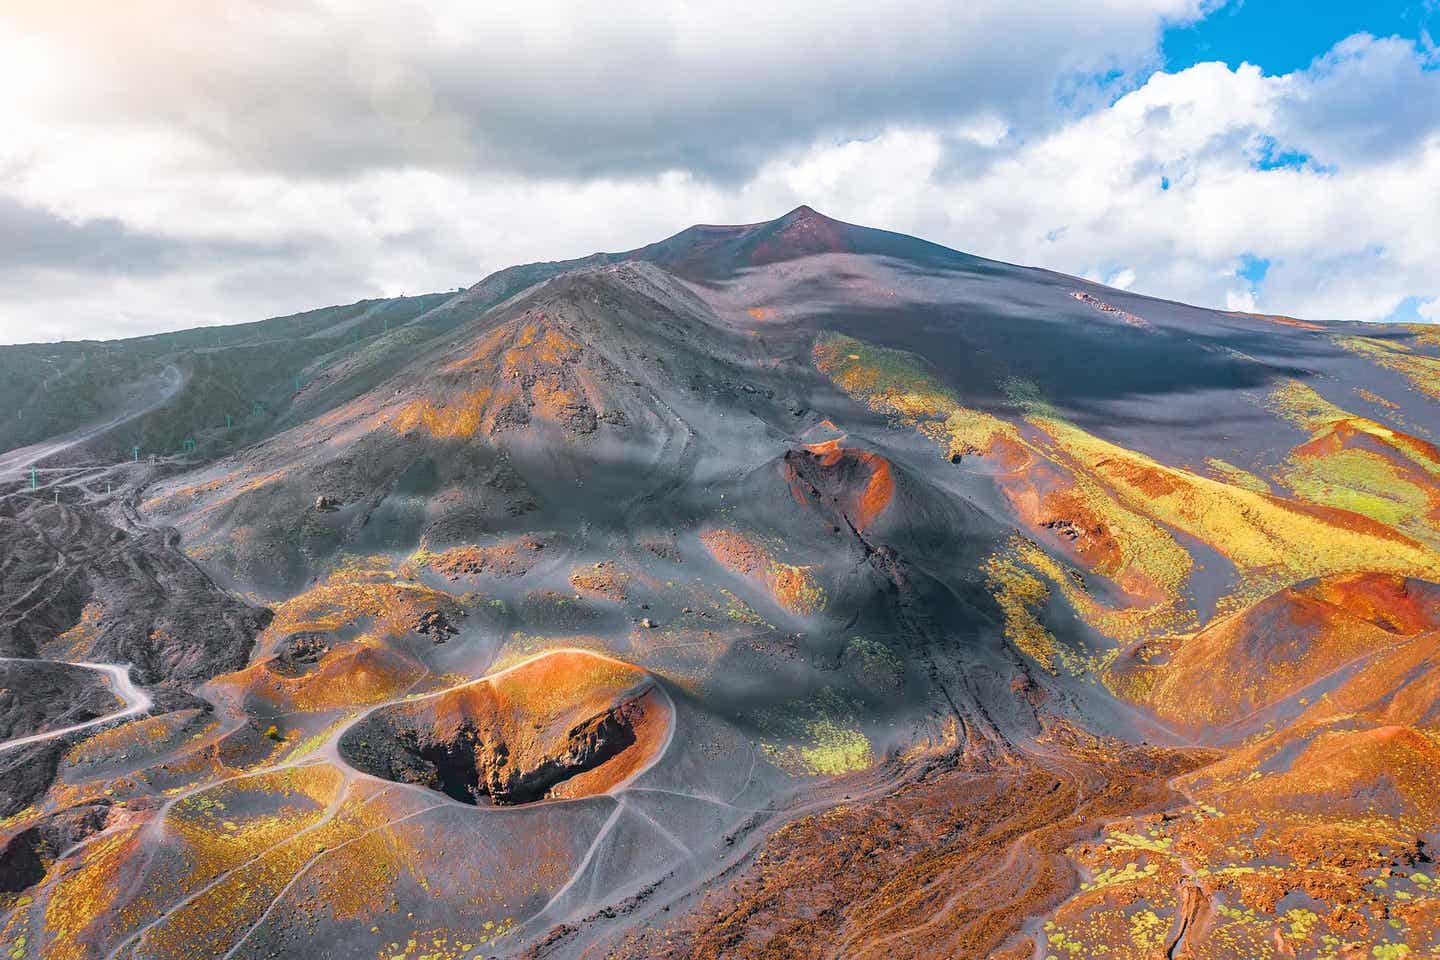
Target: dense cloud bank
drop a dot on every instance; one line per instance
(168, 168)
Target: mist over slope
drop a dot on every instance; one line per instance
(785, 589)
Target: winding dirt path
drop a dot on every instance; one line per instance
(117, 677)
(15, 463)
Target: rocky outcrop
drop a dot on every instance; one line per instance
(25, 856)
(78, 585)
(1190, 917)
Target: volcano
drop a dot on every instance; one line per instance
(792, 589)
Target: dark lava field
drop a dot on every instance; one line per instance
(796, 589)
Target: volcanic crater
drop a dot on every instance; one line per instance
(564, 725)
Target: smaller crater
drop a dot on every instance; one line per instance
(564, 725)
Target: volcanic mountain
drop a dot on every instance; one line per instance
(789, 589)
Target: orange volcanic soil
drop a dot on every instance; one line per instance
(530, 367)
(511, 558)
(1387, 770)
(949, 863)
(341, 642)
(792, 587)
(1277, 648)
(600, 580)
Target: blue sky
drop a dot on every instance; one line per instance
(1283, 36)
(1286, 35)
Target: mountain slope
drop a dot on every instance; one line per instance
(783, 589)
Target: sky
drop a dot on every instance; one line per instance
(166, 165)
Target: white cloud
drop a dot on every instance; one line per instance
(1122, 279)
(1240, 299)
(250, 165)
(1350, 232)
(551, 87)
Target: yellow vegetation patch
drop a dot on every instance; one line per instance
(895, 382)
(796, 590)
(829, 749)
(1118, 506)
(1421, 370)
(1354, 463)
(1119, 542)
(1273, 541)
(1236, 476)
(1376, 399)
(86, 892)
(1020, 594)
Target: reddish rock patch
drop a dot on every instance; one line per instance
(513, 558)
(858, 483)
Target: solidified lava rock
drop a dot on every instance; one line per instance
(473, 765)
(435, 625)
(36, 696)
(133, 599)
(27, 772)
(300, 651)
(512, 739)
(25, 856)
